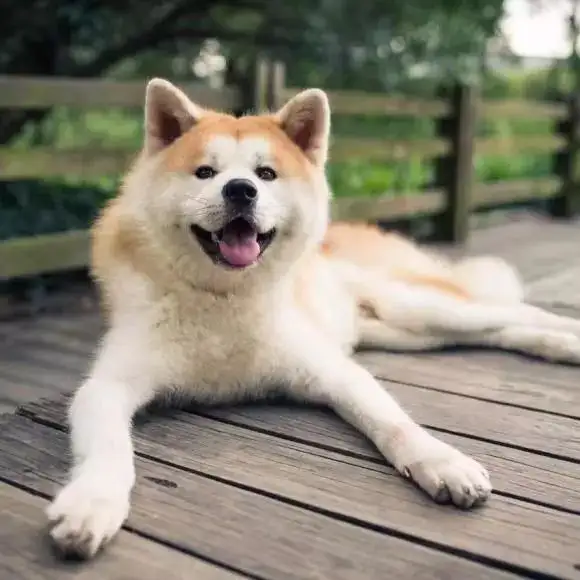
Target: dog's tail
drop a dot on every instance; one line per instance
(489, 279)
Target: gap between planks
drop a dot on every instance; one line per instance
(259, 535)
(27, 554)
(262, 457)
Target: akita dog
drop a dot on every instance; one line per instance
(223, 280)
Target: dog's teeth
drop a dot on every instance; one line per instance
(215, 238)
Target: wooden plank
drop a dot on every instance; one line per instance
(489, 375)
(81, 326)
(388, 206)
(27, 555)
(55, 363)
(45, 162)
(555, 437)
(514, 190)
(43, 333)
(519, 144)
(247, 531)
(538, 246)
(362, 103)
(519, 108)
(25, 92)
(44, 253)
(515, 473)
(560, 287)
(513, 426)
(353, 489)
(351, 148)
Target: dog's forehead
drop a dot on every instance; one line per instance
(238, 148)
(225, 141)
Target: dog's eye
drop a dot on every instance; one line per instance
(205, 172)
(266, 173)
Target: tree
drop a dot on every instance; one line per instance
(368, 44)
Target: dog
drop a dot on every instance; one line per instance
(221, 277)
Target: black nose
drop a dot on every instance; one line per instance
(240, 192)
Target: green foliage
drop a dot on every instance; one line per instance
(403, 46)
(34, 207)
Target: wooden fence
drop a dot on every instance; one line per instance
(450, 203)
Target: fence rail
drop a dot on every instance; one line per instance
(449, 201)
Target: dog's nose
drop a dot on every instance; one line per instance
(240, 192)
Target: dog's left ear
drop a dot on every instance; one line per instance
(306, 120)
(169, 113)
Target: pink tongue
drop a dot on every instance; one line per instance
(240, 252)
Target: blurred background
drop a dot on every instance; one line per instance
(404, 77)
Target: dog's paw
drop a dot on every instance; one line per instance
(558, 346)
(86, 515)
(449, 476)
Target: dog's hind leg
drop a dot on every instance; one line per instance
(551, 345)
(538, 317)
(429, 311)
(375, 333)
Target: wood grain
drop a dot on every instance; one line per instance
(247, 531)
(345, 149)
(25, 92)
(27, 555)
(44, 162)
(43, 253)
(362, 103)
(343, 485)
(368, 494)
(490, 375)
(516, 473)
(373, 208)
(522, 429)
(561, 287)
(486, 195)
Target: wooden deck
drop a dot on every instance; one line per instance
(283, 492)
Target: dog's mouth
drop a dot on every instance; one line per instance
(237, 245)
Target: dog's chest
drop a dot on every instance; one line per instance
(219, 347)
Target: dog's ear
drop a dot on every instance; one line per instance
(168, 114)
(306, 120)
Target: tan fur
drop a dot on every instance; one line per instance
(186, 153)
(392, 254)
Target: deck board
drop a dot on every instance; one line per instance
(240, 528)
(280, 491)
(27, 555)
(516, 473)
(489, 376)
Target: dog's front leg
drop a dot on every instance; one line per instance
(92, 507)
(445, 473)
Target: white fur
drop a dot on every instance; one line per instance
(196, 331)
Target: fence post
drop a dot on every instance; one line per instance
(454, 171)
(566, 163)
(276, 86)
(260, 88)
(251, 80)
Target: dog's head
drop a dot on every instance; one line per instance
(232, 198)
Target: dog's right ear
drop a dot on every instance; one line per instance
(168, 114)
